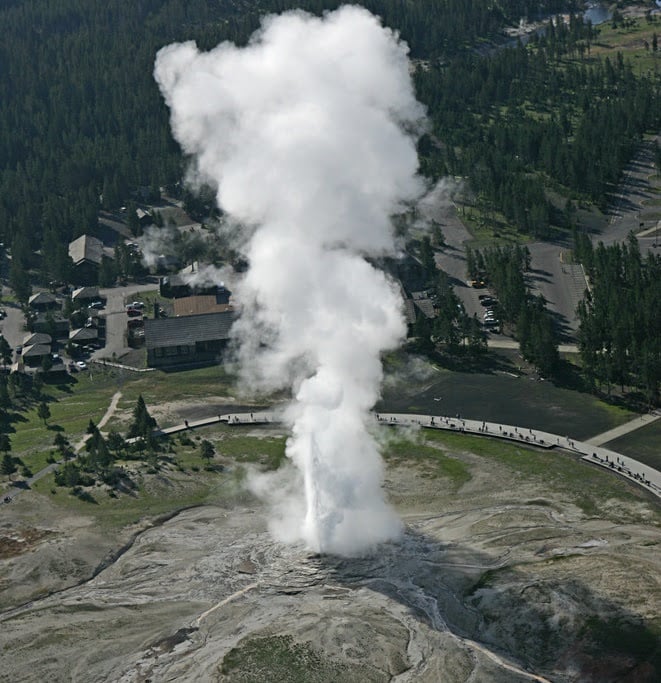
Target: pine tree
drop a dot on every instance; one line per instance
(207, 450)
(43, 411)
(143, 423)
(5, 443)
(8, 465)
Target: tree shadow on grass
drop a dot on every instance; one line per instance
(62, 382)
(481, 363)
(569, 376)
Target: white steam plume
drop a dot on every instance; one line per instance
(155, 243)
(309, 133)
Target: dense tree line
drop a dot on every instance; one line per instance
(451, 329)
(518, 120)
(504, 270)
(82, 124)
(620, 317)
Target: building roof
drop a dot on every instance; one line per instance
(409, 311)
(41, 299)
(36, 350)
(187, 330)
(426, 306)
(37, 338)
(200, 304)
(83, 334)
(85, 293)
(86, 248)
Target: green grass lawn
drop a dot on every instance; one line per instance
(179, 478)
(158, 386)
(233, 443)
(148, 501)
(629, 40)
(498, 397)
(182, 478)
(72, 406)
(591, 488)
(437, 462)
(643, 444)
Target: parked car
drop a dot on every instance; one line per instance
(3, 314)
(81, 365)
(133, 312)
(97, 304)
(138, 304)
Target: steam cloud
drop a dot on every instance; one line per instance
(309, 133)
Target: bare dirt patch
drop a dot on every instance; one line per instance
(495, 577)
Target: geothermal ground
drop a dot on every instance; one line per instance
(515, 565)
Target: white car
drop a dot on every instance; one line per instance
(81, 365)
(137, 304)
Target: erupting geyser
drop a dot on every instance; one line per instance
(309, 133)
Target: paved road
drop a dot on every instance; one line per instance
(116, 318)
(452, 260)
(13, 326)
(629, 209)
(562, 284)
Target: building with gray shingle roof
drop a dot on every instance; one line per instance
(37, 338)
(42, 300)
(83, 334)
(87, 252)
(85, 293)
(36, 351)
(189, 340)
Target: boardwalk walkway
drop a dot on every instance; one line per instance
(631, 469)
(627, 467)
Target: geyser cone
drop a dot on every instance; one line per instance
(308, 133)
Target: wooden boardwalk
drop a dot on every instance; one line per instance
(627, 467)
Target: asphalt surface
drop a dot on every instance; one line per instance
(560, 282)
(629, 210)
(13, 326)
(117, 319)
(562, 285)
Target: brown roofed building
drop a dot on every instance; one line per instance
(200, 304)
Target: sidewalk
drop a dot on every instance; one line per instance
(623, 429)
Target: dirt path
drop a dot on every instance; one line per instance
(11, 494)
(107, 415)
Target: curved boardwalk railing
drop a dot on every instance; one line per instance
(635, 471)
